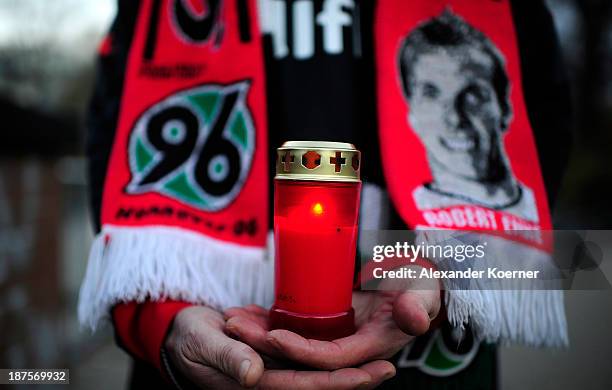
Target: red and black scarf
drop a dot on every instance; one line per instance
(186, 191)
(220, 123)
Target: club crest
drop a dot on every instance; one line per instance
(195, 146)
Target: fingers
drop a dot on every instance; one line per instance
(376, 340)
(367, 376)
(417, 304)
(233, 358)
(414, 310)
(249, 310)
(252, 333)
(380, 371)
(325, 355)
(205, 377)
(256, 314)
(197, 340)
(373, 341)
(211, 359)
(398, 317)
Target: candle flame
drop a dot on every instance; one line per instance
(317, 209)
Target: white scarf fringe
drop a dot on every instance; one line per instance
(508, 311)
(156, 263)
(528, 317)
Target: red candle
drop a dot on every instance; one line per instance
(315, 229)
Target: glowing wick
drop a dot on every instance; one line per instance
(317, 209)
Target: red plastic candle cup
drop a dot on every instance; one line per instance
(316, 208)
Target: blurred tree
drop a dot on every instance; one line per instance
(47, 52)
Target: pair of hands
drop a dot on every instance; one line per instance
(236, 349)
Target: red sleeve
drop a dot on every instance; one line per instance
(142, 328)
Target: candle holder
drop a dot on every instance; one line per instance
(316, 209)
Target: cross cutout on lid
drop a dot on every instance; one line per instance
(338, 161)
(288, 159)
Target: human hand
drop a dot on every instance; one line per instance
(386, 321)
(207, 357)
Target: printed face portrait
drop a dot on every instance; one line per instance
(457, 97)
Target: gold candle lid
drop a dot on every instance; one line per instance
(318, 160)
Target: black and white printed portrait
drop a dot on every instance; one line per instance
(456, 86)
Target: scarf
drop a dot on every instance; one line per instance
(185, 203)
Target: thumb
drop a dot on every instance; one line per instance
(413, 310)
(234, 359)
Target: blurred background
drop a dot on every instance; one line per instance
(47, 63)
